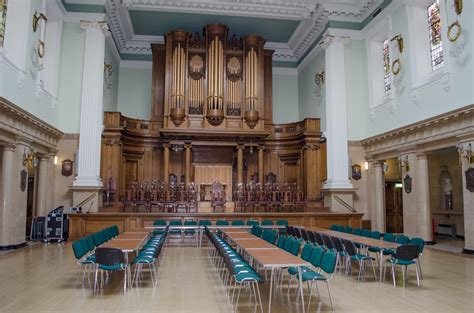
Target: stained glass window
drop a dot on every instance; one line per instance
(3, 14)
(436, 44)
(387, 77)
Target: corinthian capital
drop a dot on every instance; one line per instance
(95, 24)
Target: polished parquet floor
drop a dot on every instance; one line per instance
(41, 278)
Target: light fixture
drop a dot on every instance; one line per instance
(398, 185)
(366, 165)
(465, 153)
(37, 18)
(55, 160)
(319, 78)
(404, 164)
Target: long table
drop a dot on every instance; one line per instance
(269, 257)
(369, 242)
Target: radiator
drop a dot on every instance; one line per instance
(447, 229)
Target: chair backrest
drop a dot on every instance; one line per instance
(288, 243)
(338, 246)
(419, 242)
(402, 239)
(350, 247)
(222, 223)
(348, 229)
(306, 252)
(375, 234)
(159, 223)
(389, 237)
(366, 233)
(282, 222)
(406, 252)
(297, 232)
(281, 241)
(252, 222)
(238, 223)
(204, 223)
(311, 236)
(328, 262)
(78, 249)
(327, 241)
(333, 227)
(176, 223)
(304, 234)
(267, 222)
(84, 244)
(357, 231)
(190, 223)
(90, 242)
(340, 228)
(316, 256)
(109, 256)
(295, 247)
(319, 239)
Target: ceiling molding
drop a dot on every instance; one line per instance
(341, 11)
(136, 64)
(285, 71)
(76, 17)
(93, 2)
(294, 10)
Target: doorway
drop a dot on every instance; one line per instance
(29, 204)
(394, 206)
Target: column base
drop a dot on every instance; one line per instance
(87, 181)
(81, 193)
(12, 247)
(339, 200)
(337, 184)
(468, 251)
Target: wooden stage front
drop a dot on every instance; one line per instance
(84, 224)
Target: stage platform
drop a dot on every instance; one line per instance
(84, 224)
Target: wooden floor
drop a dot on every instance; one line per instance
(41, 279)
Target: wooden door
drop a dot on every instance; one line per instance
(394, 207)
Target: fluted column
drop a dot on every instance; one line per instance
(240, 164)
(42, 194)
(379, 191)
(468, 198)
(187, 165)
(91, 106)
(6, 193)
(423, 197)
(260, 165)
(166, 162)
(336, 120)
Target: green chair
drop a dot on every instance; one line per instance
(190, 232)
(357, 231)
(306, 256)
(281, 241)
(328, 265)
(282, 231)
(421, 245)
(222, 223)
(375, 234)
(333, 227)
(340, 228)
(348, 230)
(159, 223)
(204, 223)
(267, 223)
(175, 232)
(237, 223)
(402, 239)
(83, 260)
(252, 223)
(366, 233)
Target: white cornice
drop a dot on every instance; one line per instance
(76, 17)
(94, 2)
(342, 12)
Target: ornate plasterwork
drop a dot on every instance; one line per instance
(447, 128)
(16, 122)
(337, 11)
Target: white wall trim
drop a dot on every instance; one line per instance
(76, 17)
(285, 71)
(94, 2)
(136, 64)
(110, 41)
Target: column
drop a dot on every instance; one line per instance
(423, 198)
(260, 165)
(91, 118)
(240, 163)
(187, 164)
(166, 162)
(379, 191)
(42, 198)
(336, 120)
(468, 197)
(6, 192)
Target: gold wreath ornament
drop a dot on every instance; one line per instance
(456, 36)
(396, 67)
(40, 49)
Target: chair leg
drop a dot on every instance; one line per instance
(237, 301)
(95, 278)
(259, 297)
(393, 275)
(417, 276)
(310, 293)
(403, 274)
(329, 293)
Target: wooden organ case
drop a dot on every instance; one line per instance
(212, 108)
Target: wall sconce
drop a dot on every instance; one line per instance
(37, 18)
(320, 78)
(366, 165)
(404, 164)
(55, 160)
(399, 40)
(30, 159)
(465, 153)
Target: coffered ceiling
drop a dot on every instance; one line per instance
(291, 27)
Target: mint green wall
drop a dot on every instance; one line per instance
(70, 77)
(285, 98)
(111, 91)
(25, 95)
(134, 94)
(310, 103)
(356, 89)
(438, 97)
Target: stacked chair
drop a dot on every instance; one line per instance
(234, 270)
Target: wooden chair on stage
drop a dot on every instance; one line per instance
(154, 200)
(262, 199)
(300, 201)
(192, 195)
(141, 200)
(239, 198)
(128, 199)
(275, 202)
(182, 198)
(217, 196)
(250, 198)
(287, 203)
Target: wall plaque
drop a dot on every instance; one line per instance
(356, 172)
(470, 179)
(66, 169)
(407, 183)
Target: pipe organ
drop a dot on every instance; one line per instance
(214, 81)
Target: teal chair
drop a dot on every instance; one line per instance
(267, 223)
(204, 223)
(306, 256)
(175, 232)
(237, 223)
(282, 231)
(328, 265)
(402, 239)
(252, 223)
(160, 223)
(366, 233)
(222, 223)
(357, 231)
(83, 260)
(190, 232)
(420, 243)
(340, 228)
(348, 230)
(295, 247)
(389, 237)
(281, 241)
(333, 227)
(375, 235)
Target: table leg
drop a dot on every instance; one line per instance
(381, 265)
(300, 276)
(271, 292)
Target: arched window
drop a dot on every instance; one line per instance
(434, 29)
(3, 15)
